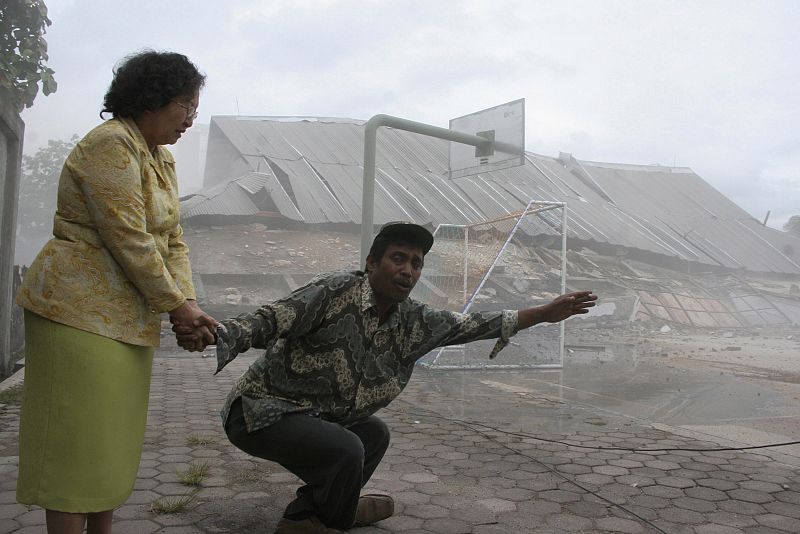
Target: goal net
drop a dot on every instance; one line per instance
(511, 262)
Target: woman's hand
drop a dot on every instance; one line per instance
(194, 329)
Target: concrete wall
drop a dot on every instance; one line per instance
(11, 135)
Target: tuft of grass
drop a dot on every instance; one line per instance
(171, 505)
(12, 395)
(198, 440)
(194, 474)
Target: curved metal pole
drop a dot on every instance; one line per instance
(370, 142)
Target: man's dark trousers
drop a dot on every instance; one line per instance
(335, 462)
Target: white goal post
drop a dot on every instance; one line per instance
(513, 261)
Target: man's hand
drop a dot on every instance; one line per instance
(194, 329)
(562, 307)
(566, 306)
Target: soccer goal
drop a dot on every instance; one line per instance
(510, 262)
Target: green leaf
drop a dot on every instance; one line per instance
(49, 87)
(23, 51)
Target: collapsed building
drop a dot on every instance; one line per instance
(281, 202)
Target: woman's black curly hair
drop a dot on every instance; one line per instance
(149, 80)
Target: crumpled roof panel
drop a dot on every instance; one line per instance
(228, 200)
(237, 198)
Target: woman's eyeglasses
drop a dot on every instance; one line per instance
(191, 111)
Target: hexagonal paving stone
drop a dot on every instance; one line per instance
(780, 522)
(538, 508)
(628, 464)
(426, 511)
(676, 482)
(635, 481)
(401, 524)
(590, 462)
(215, 493)
(418, 478)
(12, 510)
(680, 515)
(727, 475)
(172, 489)
(706, 494)
(648, 472)
(687, 473)
(569, 523)
(639, 457)
(649, 501)
(717, 529)
(722, 485)
(611, 470)
(175, 458)
(619, 524)
(698, 505)
(452, 455)
(411, 497)
(625, 490)
(498, 505)
(757, 485)
(8, 525)
(559, 496)
(186, 529)
(662, 465)
(574, 469)
(699, 466)
(663, 491)
(783, 508)
(446, 526)
(595, 479)
(515, 494)
(757, 497)
(731, 519)
(788, 496)
(135, 527)
(173, 520)
(714, 461)
(35, 516)
(741, 507)
(540, 483)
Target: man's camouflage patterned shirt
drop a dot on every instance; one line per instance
(327, 356)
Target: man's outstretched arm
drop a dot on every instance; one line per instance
(291, 316)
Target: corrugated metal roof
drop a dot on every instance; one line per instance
(227, 199)
(662, 210)
(237, 198)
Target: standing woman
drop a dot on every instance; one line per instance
(94, 295)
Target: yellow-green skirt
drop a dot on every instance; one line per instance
(83, 418)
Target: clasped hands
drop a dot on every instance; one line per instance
(194, 329)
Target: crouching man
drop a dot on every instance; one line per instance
(338, 350)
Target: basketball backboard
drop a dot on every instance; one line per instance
(503, 124)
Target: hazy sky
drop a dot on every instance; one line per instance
(714, 86)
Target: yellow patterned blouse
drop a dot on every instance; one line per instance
(117, 258)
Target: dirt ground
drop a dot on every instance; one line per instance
(258, 249)
(763, 354)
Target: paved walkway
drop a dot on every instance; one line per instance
(446, 475)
